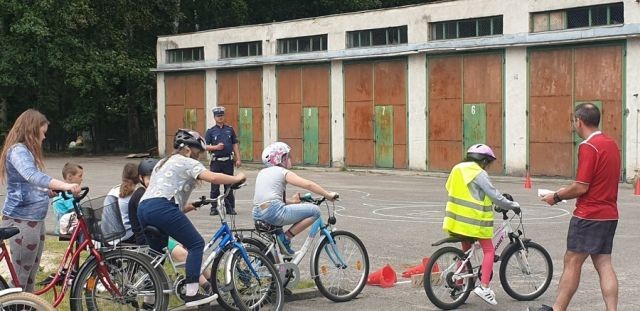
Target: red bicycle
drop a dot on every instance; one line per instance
(111, 278)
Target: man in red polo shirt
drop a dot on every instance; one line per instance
(595, 218)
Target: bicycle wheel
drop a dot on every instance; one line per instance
(225, 299)
(443, 290)
(249, 292)
(135, 278)
(258, 244)
(525, 274)
(22, 301)
(336, 281)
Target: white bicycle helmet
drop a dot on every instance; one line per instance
(274, 154)
(188, 137)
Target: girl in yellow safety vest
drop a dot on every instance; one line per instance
(469, 210)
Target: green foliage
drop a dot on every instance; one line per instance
(86, 63)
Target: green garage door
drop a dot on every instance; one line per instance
(383, 138)
(245, 135)
(474, 125)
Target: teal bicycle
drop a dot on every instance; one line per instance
(339, 260)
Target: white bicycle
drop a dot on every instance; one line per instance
(525, 271)
(14, 299)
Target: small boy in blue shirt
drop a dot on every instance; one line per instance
(72, 173)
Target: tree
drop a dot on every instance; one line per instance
(85, 64)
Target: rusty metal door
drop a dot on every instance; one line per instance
(550, 108)
(444, 112)
(299, 88)
(245, 134)
(474, 125)
(602, 81)
(457, 83)
(242, 89)
(289, 110)
(559, 79)
(184, 104)
(358, 79)
(310, 135)
(383, 138)
(368, 86)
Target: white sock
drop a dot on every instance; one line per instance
(192, 289)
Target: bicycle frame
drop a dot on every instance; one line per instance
(71, 258)
(223, 238)
(504, 230)
(311, 242)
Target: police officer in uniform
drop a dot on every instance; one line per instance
(223, 144)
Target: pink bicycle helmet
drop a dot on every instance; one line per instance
(274, 154)
(481, 152)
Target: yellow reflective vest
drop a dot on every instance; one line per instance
(464, 214)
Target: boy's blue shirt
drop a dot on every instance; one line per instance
(61, 205)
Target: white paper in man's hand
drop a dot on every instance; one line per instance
(544, 192)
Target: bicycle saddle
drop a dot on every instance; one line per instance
(8, 232)
(262, 226)
(153, 231)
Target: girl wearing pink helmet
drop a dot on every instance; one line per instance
(270, 203)
(469, 211)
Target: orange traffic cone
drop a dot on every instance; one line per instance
(384, 277)
(527, 181)
(637, 192)
(419, 269)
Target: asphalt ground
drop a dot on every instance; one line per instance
(398, 214)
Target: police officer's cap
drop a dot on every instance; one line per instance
(218, 111)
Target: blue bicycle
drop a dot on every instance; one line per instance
(339, 260)
(242, 277)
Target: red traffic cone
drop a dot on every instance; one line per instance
(419, 269)
(385, 277)
(637, 192)
(527, 181)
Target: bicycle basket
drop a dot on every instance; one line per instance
(103, 219)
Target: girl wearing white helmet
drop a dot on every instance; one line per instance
(270, 203)
(166, 200)
(469, 210)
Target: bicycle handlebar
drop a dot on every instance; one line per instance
(202, 201)
(65, 194)
(307, 197)
(205, 201)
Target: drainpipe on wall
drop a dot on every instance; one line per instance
(637, 177)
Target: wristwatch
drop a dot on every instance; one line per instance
(556, 197)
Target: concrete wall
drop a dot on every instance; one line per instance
(516, 19)
(515, 106)
(632, 100)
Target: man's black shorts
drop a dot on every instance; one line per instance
(591, 237)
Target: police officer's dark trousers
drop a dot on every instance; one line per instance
(225, 167)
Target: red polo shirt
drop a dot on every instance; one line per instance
(599, 167)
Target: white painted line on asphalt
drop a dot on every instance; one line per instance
(419, 212)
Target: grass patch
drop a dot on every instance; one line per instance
(49, 262)
(304, 284)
